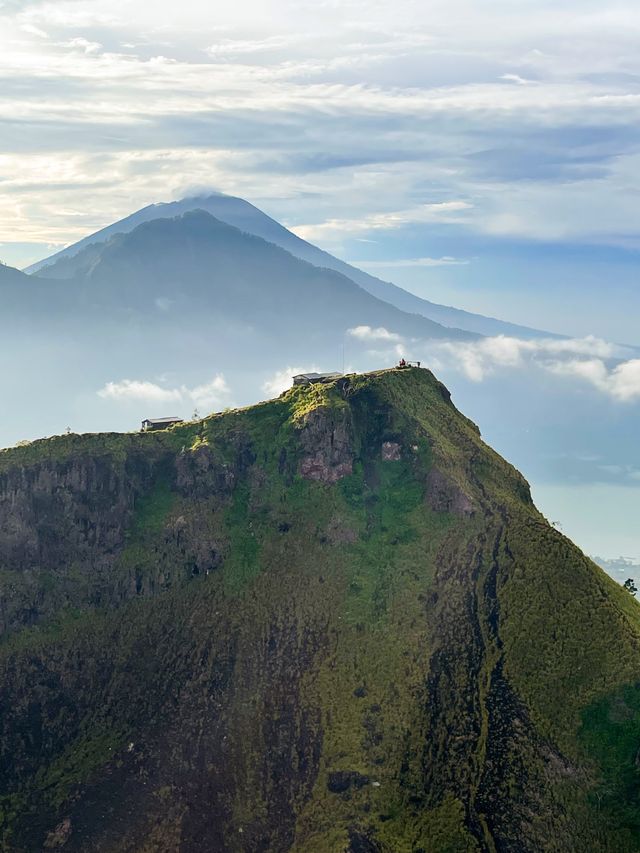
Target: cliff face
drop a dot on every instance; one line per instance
(64, 521)
(53, 514)
(332, 622)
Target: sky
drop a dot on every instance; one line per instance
(483, 155)
(486, 155)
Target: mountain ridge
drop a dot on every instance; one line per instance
(247, 217)
(200, 263)
(330, 622)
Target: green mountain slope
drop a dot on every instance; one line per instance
(331, 622)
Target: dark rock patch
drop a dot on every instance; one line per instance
(327, 444)
(360, 842)
(391, 451)
(341, 781)
(444, 495)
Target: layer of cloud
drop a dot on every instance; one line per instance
(620, 569)
(576, 358)
(139, 390)
(206, 396)
(445, 211)
(501, 124)
(412, 262)
(602, 365)
(369, 334)
(621, 382)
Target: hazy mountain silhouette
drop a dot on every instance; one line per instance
(245, 216)
(195, 265)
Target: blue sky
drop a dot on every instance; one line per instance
(483, 155)
(501, 121)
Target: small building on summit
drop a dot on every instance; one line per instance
(151, 424)
(310, 378)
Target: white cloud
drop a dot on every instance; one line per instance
(622, 382)
(82, 44)
(163, 303)
(412, 262)
(445, 211)
(282, 379)
(479, 359)
(572, 357)
(226, 47)
(589, 345)
(36, 31)
(210, 394)
(515, 78)
(367, 333)
(134, 389)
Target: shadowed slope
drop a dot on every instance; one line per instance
(203, 266)
(248, 218)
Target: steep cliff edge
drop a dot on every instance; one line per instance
(331, 622)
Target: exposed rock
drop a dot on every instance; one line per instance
(199, 473)
(327, 445)
(444, 495)
(59, 836)
(341, 781)
(58, 512)
(360, 842)
(391, 451)
(201, 552)
(317, 468)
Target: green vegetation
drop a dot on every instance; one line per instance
(243, 562)
(152, 510)
(610, 734)
(303, 399)
(332, 619)
(77, 763)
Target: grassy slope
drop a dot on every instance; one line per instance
(342, 577)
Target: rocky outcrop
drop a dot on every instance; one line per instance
(196, 548)
(57, 513)
(326, 442)
(391, 451)
(199, 474)
(444, 495)
(342, 781)
(64, 525)
(93, 516)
